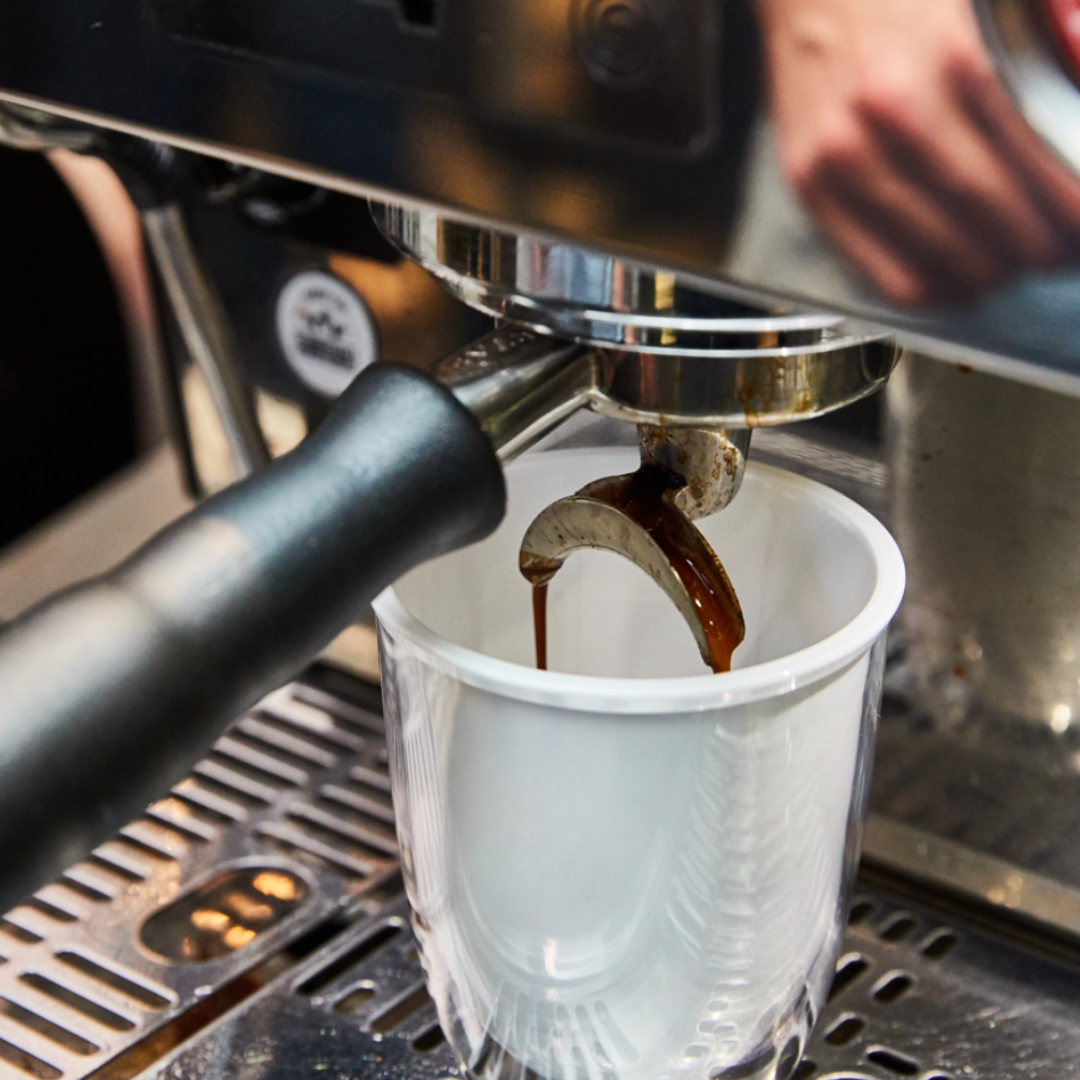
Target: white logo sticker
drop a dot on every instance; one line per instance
(325, 330)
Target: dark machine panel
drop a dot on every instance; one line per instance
(638, 127)
(603, 69)
(624, 123)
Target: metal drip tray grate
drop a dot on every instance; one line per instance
(251, 925)
(285, 831)
(918, 996)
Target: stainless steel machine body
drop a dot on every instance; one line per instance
(297, 790)
(648, 188)
(653, 144)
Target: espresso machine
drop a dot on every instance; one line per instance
(601, 193)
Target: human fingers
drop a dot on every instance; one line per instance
(855, 191)
(1048, 181)
(954, 166)
(908, 268)
(893, 276)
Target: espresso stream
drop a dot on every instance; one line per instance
(640, 496)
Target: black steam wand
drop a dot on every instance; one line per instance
(111, 690)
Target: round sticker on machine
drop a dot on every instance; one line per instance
(325, 330)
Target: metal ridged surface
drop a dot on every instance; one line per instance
(335, 988)
(356, 1008)
(915, 996)
(299, 785)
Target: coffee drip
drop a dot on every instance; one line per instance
(646, 500)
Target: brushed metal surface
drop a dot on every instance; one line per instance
(299, 784)
(916, 995)
(511, 114)
(521, 384)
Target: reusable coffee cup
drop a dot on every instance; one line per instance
(626, 866)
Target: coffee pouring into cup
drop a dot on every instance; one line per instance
(258, 578)
(274, 565)
(406, 469)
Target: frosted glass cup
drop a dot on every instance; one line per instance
(626, 867)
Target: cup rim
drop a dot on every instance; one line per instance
(688, 693)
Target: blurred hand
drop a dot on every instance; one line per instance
(898, 138)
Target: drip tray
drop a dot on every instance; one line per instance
(252, 925)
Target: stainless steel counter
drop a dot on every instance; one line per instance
(298, 791)
(961, 960)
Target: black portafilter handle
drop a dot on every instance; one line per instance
(111, 690)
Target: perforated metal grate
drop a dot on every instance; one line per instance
(297, 791)
(290, 953)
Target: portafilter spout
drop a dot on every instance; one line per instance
(690, 368)
(520, 384)
(641, 516)
(138, 669)
(695, 371)
(646, 517)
